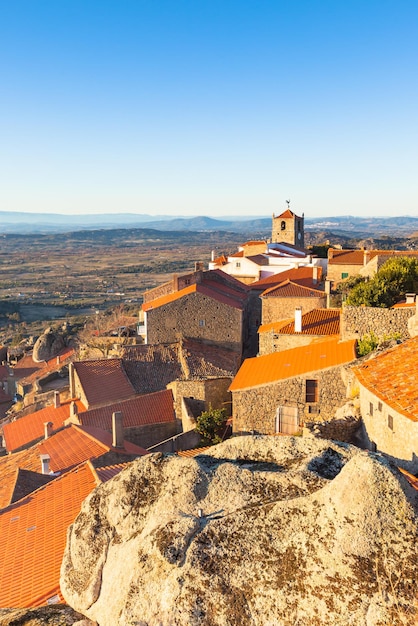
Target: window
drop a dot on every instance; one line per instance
(237, 264)
(344, 275)
(201, 322)
(187, 281)
(390, 421)
(311, 391)
(371, 408)
(283, 225)
(379, 407)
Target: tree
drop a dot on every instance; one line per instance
(397, 277)
(211, 425)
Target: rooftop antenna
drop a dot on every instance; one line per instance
(288, 203)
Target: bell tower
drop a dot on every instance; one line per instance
(288, 228)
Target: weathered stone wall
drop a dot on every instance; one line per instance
(357, 321)
(255, 409)
(151, 434)
(276, 308)
(335, 271)
(213, 391)
(196, 316)
(270, 341)
(337, 430)
(400, 443)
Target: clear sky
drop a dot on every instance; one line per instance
(209, 107)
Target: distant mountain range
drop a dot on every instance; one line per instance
(26, 223)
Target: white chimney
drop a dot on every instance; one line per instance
(48, 429)
(298, 319)
(212, 255)
(410, 298)
(57, 401)
(117, 430)
(45, 459)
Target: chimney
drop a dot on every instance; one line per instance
(57, 401)
(212, 256)
(72, 380)
(117, 429)
(45, 459)
(409, 298)
(366, 257)
(298, 319)
(315, 274)
(48, 429)
(73, 409)
(58, 360)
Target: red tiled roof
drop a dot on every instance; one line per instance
(271, 368)
(103, 437)
(273, 326)
(52, 365)
(286, 214)
(393, 377)
(404, 304)
(25, 367)
(108, 472)
(31, 427)
(222, 293)
(299, 275)
(413, 480)
(238, 254)
(316, 322)
(289, 289)
(152, 408)
(192, 453)
(32, 539)
(104, 381)
(350, 257)
(253, 243)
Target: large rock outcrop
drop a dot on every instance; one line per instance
(276, 531)
(48, 345)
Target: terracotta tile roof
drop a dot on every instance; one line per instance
(393, 377)
(66, 448)
(239, 254)
(316, 322)
(192, 453)
(152, 408)
(52, 365)
(299, 275)
(350, 257)
(401, 305)
(31, 427)
(277, 366)
(152, 367)
(104, 381)
(290, 289)
(222, 293)
(413, 480)
(106, 473)
(259, 259)
(25, 367)
(274, 326)
(253, 243)
(220, 260)
(286, 214)
(33, 535)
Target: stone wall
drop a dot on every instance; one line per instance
(255, 409)
(152, 434)
(275, 308)
(335, 271)
(357, 321)
(389, 432)
(196, 316)
(213, 391)
(338, 430)
(270, 341)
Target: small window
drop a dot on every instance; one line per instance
(237, 264)
(371, 407)
(201, 322)
(187, 281)
(379, 407)
(344, 275)
(390, 422)
(311, 391)
(283, 225)
(299, 226)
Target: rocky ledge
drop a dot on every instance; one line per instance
(259, 530)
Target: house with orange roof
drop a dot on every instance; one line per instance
(278, 392)
(31, 376)
(279, 302)
(99, 382)
(31, 427)
(302, 330)
(388, 388)
(147, 419)
(212, 309)
(344, 264)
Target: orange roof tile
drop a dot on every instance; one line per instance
(277, 366)
(106, 473)
(33, 535)
(393, 377)
(192, 453)
(222, 293)
(413, 480)
(299, 275)
(152, 408)
(253, 243)
(289, 289)
(31, 427)
(51, 365)
(286, 214)
(273, 326)
(401, 305)
(316, 322)
(104, 381)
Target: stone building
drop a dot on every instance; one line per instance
(301, 331)
(280, 302)
(388, 386)
(278, 392)
(344, 264)
(289, 228)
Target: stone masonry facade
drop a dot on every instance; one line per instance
(196, 316)
(271, 341)
(275, 308)
(213, 392)
(357, 321)
(255, 409)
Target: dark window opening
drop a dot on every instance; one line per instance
(283, 225)
(311, 391)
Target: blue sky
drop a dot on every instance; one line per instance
(209, 107)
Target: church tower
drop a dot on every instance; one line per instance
(288, 228)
